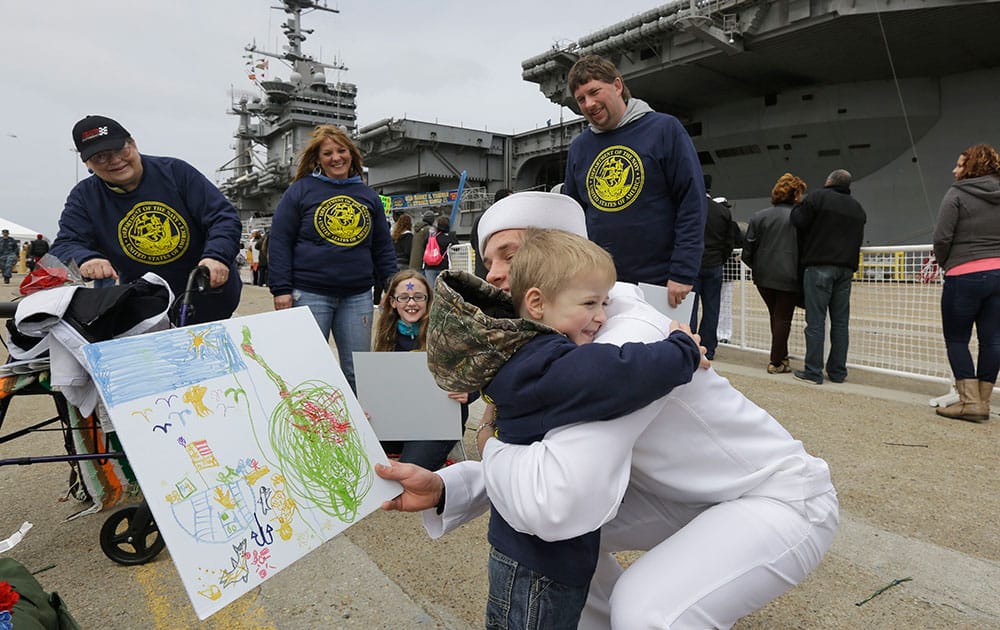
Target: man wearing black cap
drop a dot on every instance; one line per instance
(142, 213)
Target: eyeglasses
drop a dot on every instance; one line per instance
(104, 157)
(416, 297)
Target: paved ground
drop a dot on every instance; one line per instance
(920, 498)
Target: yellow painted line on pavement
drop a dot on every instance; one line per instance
(169, 607)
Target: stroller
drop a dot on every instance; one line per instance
(129, 536)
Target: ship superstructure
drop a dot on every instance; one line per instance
(275, 124)
(891, 90)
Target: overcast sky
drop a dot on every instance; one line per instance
(165, 71)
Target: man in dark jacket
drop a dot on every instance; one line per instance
(141, 213)
(474, 235)
(36, 249)
(720, 238)
(831, 227)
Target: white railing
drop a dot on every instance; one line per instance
(895, 324)
(461, 256)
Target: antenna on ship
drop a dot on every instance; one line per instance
(280, 117)
(303, 66)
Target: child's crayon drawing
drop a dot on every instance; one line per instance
(244, 471)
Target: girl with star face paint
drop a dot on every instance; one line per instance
(402, 327)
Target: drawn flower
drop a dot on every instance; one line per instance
(5, 621)
(8, 597)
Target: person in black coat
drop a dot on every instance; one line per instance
(402, 240)
(771, 251)
(474, 235)
(720, 238)
(831, 228)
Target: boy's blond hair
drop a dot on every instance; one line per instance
(550, 259)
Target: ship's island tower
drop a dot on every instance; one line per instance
(282, 118)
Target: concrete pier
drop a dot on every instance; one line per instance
(920, 499)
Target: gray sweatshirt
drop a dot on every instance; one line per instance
(968, 226)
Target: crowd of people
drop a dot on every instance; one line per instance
(605, 427)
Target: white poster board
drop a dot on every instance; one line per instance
(659, 298)
(402, 400)
(247, 441)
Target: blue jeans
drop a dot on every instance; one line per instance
(827, 288)
(350, 320)
(522, 599)
(967, 299)
(708, 292)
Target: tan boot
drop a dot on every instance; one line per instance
(985, 393)
(970, 405)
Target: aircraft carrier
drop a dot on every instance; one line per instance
(891, 90)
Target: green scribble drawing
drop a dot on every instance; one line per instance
(317, 447)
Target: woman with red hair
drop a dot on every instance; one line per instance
(771, 250)
(967, 247)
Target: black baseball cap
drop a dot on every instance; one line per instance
(94, 134)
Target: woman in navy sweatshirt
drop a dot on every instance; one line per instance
(329, 240)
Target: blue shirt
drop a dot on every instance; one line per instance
(551, 382)
(642, 189)
(329, 237)
(173, 219)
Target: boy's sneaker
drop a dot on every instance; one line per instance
(802, 376)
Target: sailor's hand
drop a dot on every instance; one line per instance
(677, 292)
(421, 488)
(218, 272)
(98, 269)
(459, 397)
(282, 302)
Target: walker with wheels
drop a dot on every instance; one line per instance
(129, 535)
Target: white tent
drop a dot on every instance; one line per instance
(18, 231)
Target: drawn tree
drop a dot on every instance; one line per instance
(317, 447)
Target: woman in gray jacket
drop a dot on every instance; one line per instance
(771, 250)
(967, 246)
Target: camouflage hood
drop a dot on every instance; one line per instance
(472, 331)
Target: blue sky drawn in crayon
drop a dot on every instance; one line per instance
(134, 367)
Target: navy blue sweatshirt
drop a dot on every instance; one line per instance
(330, 238)
(642, 189)
(551, 382)
(173, 219)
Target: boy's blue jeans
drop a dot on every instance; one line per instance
(522, 599)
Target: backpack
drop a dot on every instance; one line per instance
(432, 252)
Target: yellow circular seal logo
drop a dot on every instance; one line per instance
(343, 220)
(153, 233)
(615, 179)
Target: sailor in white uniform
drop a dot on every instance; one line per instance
(731, 508)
